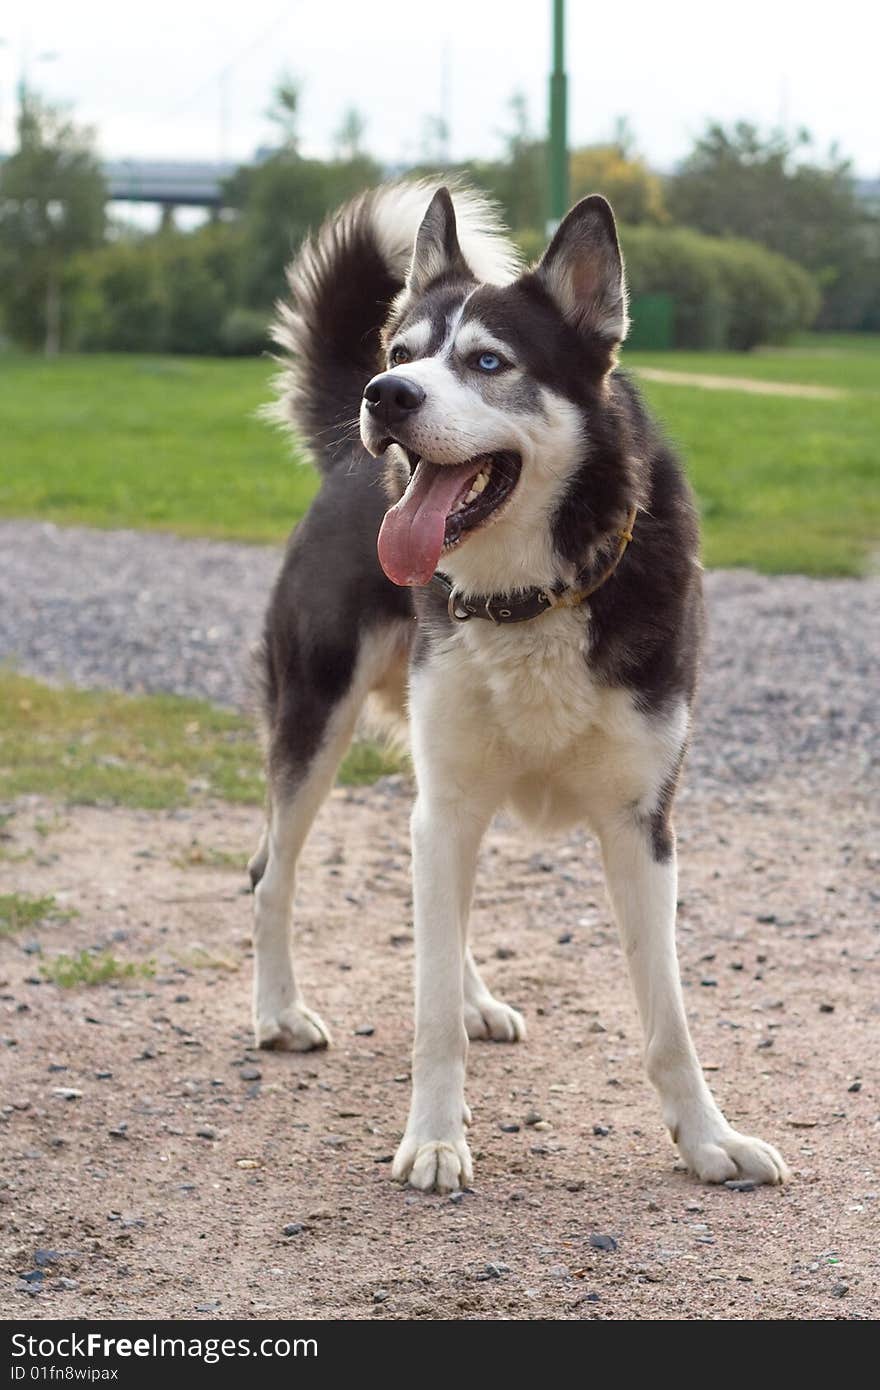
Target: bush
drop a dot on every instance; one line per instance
(727, 293)
(119, 303)
(172, 292)
(768, 297)
(244, 332)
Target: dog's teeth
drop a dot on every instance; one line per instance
(480, 481)
(471, 495)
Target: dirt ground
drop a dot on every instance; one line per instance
(163, 1185)
(753, 386)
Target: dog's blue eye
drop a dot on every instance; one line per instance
(399, 355)
(488, 362)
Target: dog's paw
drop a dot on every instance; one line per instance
(489, 1018)
(435, 1165)
(295, 1029)
(729, 1155)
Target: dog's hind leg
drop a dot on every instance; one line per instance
(641, 872)
(281, 1018)
(308, 738)
(484, 1015)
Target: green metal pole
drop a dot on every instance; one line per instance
(558, 120)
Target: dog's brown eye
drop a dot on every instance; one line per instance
(398, 355)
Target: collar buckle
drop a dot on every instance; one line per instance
(457, 609)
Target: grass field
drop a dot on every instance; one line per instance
(91, 747)
(172, 443)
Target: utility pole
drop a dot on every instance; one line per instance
(558, 122)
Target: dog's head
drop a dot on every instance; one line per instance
(489, 392)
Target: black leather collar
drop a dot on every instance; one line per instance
(498, 608)
(520, 607)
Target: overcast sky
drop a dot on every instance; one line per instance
(150, 76)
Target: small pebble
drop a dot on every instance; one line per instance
(510, 1128)
(366, 1031)
(294, 1228)
(250, 1073)
(67, 1093)
(741, 1185)
(855, 1087)
(206, 1132)
(565, 938)
(826, 1008)
(601, 1131)
(380, 1296)
(603, 1242)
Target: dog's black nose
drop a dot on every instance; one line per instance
(391, 398)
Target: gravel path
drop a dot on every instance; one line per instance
(790, 681)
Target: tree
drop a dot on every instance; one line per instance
(284, 111)
(280, 200)
(625, 179)
(519, 180)
(349, 138)
(773, 189)
(52, 197)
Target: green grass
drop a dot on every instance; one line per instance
(167, 443)
(153, 751)
(847, 362)
(784, 485)
(172, 443)
(90, 968)
(18, 910)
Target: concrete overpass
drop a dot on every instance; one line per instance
(170, 182)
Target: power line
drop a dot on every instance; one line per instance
(222, 74)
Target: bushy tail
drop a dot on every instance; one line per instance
(342, 284)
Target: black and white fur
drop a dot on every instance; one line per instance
(581, 715)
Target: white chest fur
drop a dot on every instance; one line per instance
(515, 708)
(535, 680)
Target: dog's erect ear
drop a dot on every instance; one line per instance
(582, 269)
(437, 251)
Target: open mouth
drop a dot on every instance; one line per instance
(443, 504)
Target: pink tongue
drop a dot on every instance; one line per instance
(412, 534)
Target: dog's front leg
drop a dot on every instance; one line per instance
(445, 841)
(642, 885)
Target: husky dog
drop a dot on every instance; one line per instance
(512, 542)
